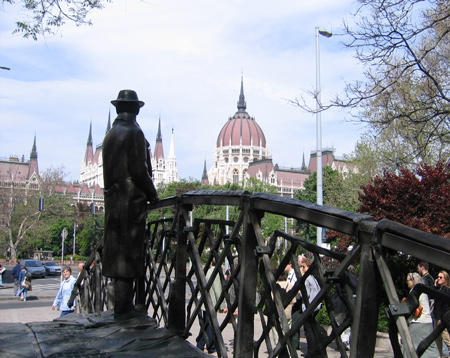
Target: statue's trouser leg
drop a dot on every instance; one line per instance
(123, 295)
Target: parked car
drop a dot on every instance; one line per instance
(33, 267)
(52, 268)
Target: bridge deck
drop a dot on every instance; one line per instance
(93, 335)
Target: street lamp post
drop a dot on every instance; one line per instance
(319, 131)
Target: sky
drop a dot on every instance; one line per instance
(185, 60)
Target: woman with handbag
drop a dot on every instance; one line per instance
(420, 322)
(24, 285)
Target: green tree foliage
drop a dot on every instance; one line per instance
(404, 46)
(25, 226)
(48, 16)
(269, 222)
(90, 233)
(338, 191)
(418, 198)
(55, 242)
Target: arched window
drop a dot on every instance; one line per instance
(235, 176)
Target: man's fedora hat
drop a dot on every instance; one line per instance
(127, 96)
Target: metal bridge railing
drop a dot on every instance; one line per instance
(181, 250)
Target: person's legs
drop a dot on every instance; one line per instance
(446, 338)
(345, 336)
(310, 338)
(312, 330)
(20, 293)
(295, 339)
(64, 313)
(25, 294)
(201, 341)
(439, 338)
(207, 338)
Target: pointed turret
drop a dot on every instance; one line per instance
(159, 152)
(172, 147)
(89, 154)
(33, 167)
(303, 163)
(241, 105)
(205, 180)
(171, 171)
(108, 126)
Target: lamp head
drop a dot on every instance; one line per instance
(325, 33)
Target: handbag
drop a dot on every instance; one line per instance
(418, 311)
(26, 284)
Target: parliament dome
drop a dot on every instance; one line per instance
(241, 129)
(240, 142)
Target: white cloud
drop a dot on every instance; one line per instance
(184, 59)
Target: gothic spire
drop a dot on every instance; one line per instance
(159, 152)
(33, 166)
(172, 147)
(303, 163)
(33, 154)
(89, 141)
(241, 105)
(159, 136)
(205, 175)
(89, 154)
(108, 126)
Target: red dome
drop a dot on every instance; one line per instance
(241, 129)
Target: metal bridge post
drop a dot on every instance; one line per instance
(98, 301)
(365, 322)
(177, 296)
(247, 287)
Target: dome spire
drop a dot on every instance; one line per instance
(241, 105)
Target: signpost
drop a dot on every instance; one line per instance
(63, 237)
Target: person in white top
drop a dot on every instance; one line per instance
(421, 324)
(291, 277)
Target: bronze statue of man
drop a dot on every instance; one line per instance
(127, 176)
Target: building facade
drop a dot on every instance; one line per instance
(242, 152)
(164, 169)
(15, 172)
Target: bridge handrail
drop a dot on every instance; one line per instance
(175, 240)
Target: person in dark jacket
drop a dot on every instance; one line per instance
(442, 283)
(340, 307)
(422, 269)
(15, 272)
(128, 187)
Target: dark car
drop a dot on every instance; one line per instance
(52, 268)
(33, 267)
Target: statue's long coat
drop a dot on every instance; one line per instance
(128, 187)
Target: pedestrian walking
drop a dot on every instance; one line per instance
(64, 293)
(23, 290)
(15, 272)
